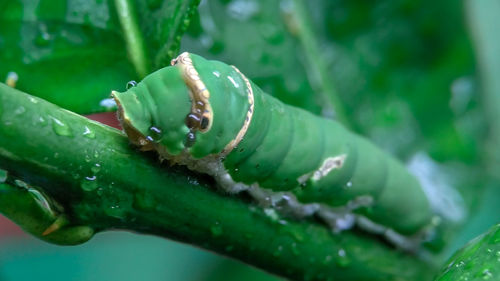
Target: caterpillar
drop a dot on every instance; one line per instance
(210, 117)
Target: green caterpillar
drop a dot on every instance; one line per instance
(208, 116)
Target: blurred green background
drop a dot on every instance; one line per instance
(416, 77)
(117, 256)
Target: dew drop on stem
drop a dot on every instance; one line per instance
(131, 84)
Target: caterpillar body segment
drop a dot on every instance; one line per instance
(209, 116)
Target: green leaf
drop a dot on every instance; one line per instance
(70, 54)
(75, 52)
(162, 24)
(478, 260)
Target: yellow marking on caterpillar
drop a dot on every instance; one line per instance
(330, 163)
(233, 143)
(198, 92)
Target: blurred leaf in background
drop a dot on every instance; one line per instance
(74, 52)
(64, 52)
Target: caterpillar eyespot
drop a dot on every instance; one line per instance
(286, 158)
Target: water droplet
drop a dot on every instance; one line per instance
(190, 139)
(216, 229)
(348, 184)
(154, 134)
(89, 183)
(56, 155)
(216, 73)
(96, 154)
(342, 259)
(61, 128)
(20, 110)
(88, 133)
(96, 168)
(3, 176)
(487, 274)
(131, 84)
(76, 176)
(33, 100)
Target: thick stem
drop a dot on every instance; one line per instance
(91, 170)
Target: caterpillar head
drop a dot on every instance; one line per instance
(194, 105)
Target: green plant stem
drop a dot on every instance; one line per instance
(102, 182)
(300, 24)
(133, 36)
(483, 24)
